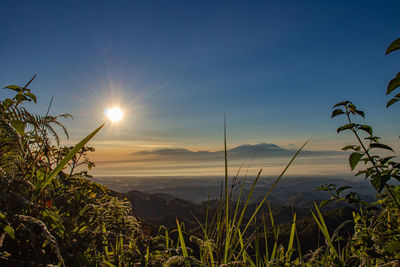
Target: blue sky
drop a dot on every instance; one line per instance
(275, 67)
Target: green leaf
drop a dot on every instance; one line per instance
(393, 84)
(291, 238)
(379, 145)
(182, 240)
(19, 126)
(13, 87)
(10, 231)
(337, 112)
(354, 159)
(32, 96)
(326, 188)
(354, 147)
(379, 182)
(67, 158)
(20, 98)
(366, 128)
(343, 103)
(85, 208)
(345, 127)
(393, 46)
(325, 202)
(340, 189)
(391, 102)
(345, 148)
(360, 112)
(386, 159)
(373, 138)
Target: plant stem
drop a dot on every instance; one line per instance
(227, 227)
(371, 159)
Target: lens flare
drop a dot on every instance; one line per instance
(115, 114)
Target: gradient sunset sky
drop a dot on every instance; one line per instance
(275, 67)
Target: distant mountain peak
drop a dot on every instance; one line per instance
(244, 151)
(257, 147)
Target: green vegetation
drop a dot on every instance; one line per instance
(51, 213)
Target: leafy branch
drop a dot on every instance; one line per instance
(382, 170)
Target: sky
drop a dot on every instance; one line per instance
(275, 68)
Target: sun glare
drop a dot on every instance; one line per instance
(115, 114)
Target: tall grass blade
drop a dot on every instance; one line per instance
(291, 239)
(241, 245)
(227, 227)
(26, 85)
(181, 240)
(238, 202)
(249, 197)
(275, 231)
(109, 264)
(166, 239)
(273, 186)
(299, 246)
(66, 159)
(322, 226)
(265, 238)
(239, 223)
(147, 256)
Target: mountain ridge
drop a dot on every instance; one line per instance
(244, 150)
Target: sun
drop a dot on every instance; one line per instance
(115, 114)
